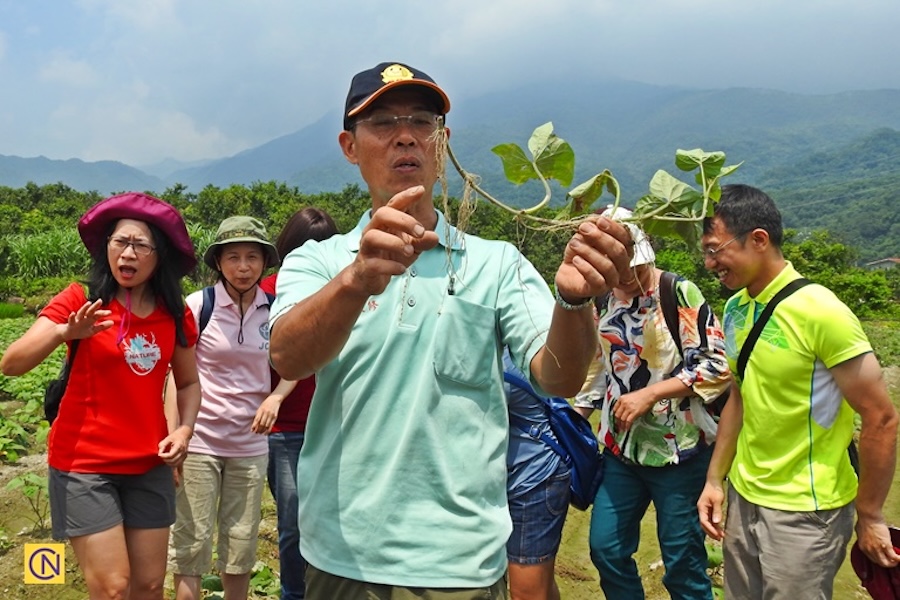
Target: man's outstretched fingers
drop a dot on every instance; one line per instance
(403, 200)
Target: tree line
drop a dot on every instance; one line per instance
(40, 249)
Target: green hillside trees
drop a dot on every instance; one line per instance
(40, 249)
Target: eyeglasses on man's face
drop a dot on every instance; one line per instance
(421, 123)
(118, 244)
(712, 253)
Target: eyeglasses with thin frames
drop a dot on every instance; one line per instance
(712, 253)
(140, 248)
(421, 123)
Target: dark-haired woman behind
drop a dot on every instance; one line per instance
(287, 434)
(111, 484)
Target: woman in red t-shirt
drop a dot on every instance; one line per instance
(286, 437)
(112, 490)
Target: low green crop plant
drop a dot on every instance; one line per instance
(13, 440)
(263, 581)
(31, 385)
(714, 567)
(5, 543)
(34, 488)
(22, 423)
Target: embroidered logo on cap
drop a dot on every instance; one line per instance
(396, 73)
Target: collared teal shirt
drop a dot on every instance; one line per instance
(402, 476)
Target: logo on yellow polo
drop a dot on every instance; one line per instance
(396, 73)
(45, 563)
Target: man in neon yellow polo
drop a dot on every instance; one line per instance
(784, 434)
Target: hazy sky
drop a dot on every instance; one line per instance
(143, 80)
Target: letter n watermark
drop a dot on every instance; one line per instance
(45, 563)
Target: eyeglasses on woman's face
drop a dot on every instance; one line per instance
(422, 123)
(118, 244)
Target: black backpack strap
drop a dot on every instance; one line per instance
(668, 299)
(209, 301)
(70, 360)
(760, 323)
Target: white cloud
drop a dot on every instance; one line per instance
(127, 128)
(67, 71)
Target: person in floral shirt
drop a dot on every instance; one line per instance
(657, 425)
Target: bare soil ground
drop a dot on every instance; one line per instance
(575, 573)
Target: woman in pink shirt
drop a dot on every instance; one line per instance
(226, 465)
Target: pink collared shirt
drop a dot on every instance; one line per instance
(232, 360)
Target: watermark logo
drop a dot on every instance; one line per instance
(45, 563)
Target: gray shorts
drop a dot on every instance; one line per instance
(85, 503)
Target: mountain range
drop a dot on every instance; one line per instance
(799, 145)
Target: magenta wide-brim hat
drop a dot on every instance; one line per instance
(141, 207)
(881, 583)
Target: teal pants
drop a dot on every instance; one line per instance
(620, 505)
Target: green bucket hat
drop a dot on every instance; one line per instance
(241, 229)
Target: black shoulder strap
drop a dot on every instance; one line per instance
(669, 301)
(760, 323)
(70, 360)
(209, 301)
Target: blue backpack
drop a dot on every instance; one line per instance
(575, 443)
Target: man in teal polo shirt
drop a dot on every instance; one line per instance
(784, 433)
(402, 476)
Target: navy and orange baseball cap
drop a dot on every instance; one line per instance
(366, 86)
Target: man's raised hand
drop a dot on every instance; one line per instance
(391, 242)
(595, 260)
